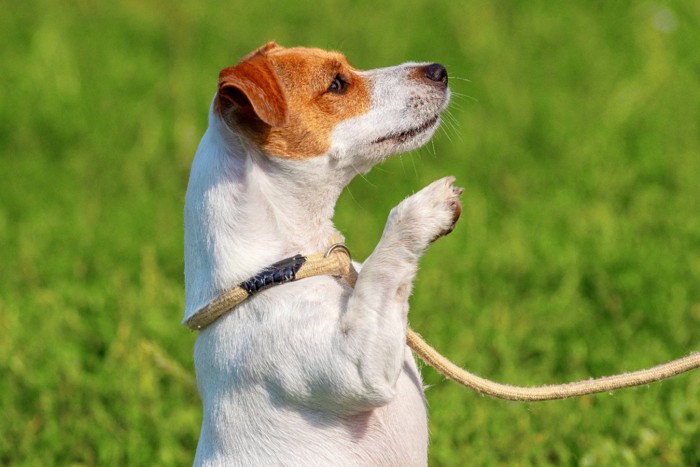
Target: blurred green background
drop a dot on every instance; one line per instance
(574, 128)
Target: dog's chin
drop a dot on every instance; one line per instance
(407, 140)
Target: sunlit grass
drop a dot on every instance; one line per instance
(574, 130)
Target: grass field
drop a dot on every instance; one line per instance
(575, 130)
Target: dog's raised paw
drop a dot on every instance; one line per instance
(451, 195)
(428, 214)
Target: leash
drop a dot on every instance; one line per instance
(336, 261)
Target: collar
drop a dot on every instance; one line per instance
(335, 261)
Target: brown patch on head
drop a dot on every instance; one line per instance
(288, 101)
(252, 89)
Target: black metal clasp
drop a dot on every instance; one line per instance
(278, 273)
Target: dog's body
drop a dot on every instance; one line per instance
(311, 372)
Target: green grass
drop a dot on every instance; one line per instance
(575, 130)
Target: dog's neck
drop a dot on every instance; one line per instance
(241, 201)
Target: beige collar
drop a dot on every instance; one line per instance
(336, 261)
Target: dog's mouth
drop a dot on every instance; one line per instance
(406, 135)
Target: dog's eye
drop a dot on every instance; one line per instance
(339, 85)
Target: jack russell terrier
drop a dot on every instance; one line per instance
(313, 372)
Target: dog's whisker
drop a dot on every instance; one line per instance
(447, 134)
(362, 176)
(415, 169)
(453, 127)
(458, 133)
(456, 106)
(464, 96)
(449, 116)
(451, 123)
(459, 78)
(352, 196)
(403, 167)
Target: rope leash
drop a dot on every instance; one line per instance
(548, 392)
(336, 261)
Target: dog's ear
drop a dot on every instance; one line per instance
(260, 50)
(253, 88)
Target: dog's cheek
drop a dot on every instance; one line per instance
(296, 141)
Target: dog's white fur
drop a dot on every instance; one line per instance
(311, 372)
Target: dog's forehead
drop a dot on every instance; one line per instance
(305, 55)
(301, 64)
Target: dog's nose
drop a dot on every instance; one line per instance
(436, 72)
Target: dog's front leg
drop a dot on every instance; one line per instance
(376, 317)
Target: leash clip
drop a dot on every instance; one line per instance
(334, 247)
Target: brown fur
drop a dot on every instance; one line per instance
(280, 98)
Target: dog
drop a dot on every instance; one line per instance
(311, 372)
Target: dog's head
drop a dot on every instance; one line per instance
(300, 103)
